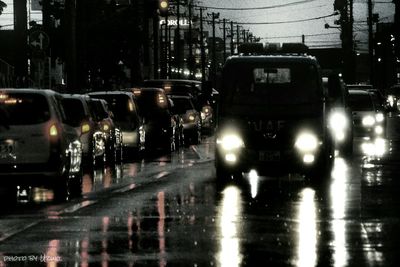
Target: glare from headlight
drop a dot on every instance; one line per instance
(230, 142)
(380, 117)
(306, 142)
(368, 120)
(338, 121)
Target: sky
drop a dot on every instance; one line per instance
(315, 33)
(314, 30)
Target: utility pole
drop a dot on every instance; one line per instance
(177, 46)
(232, 39)
(166, 45)
(203, 55)
(397, 38)
(156, 24)
(191, 59)
(370, 43)
(21, 43)
(71, 45)
(224, 38)
(238, 37)
(214, 54)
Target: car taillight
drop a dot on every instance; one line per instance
(53, 131)
(106, 127)
(85, 128)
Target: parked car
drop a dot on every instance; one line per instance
(113, 136)
(161, 127)
(368, 120)
(204, 97)
(37, 147)
(190, 117)
(81, 117)
(126, 117)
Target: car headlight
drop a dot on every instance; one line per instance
(368, 120)
(338, 120)
(380, 117)
(306, 142)
(230, 142)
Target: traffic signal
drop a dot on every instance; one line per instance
(163, 6)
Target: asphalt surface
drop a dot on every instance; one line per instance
(169, 211)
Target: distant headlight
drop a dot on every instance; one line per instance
(191, 117)
(306, 142)
(368, 120)
(230, 142)
(380, 117)
(390, 100)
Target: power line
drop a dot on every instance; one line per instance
(285, 22)
(294, 36)
(256, 8)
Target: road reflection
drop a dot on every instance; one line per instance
(307, 229)
(229, 225)
(338, 196)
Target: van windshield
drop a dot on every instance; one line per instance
(271, 84)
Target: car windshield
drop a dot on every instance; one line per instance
(151, 103)
(74, 111)
(121, 106)
(271, 87)
(360, 102)
(181, 105)
(98, 110)
(24, 108)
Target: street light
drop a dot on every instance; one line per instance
(163, 6)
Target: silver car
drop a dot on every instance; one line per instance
(37, 148)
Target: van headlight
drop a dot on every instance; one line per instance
(368, 120)
(229, 142)
(306, 142)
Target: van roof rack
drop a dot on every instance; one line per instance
(273, 48)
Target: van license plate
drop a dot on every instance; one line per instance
(269, 156)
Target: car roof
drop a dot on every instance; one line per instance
(149, 89)
(29, 90)
(359, 92)
(127, 93)
(180, 96)
(271, 58)
(178, 81)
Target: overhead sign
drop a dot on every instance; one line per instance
(39, 40)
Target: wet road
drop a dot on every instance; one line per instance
(168, 211)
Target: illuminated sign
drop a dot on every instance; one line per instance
(174, 22)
